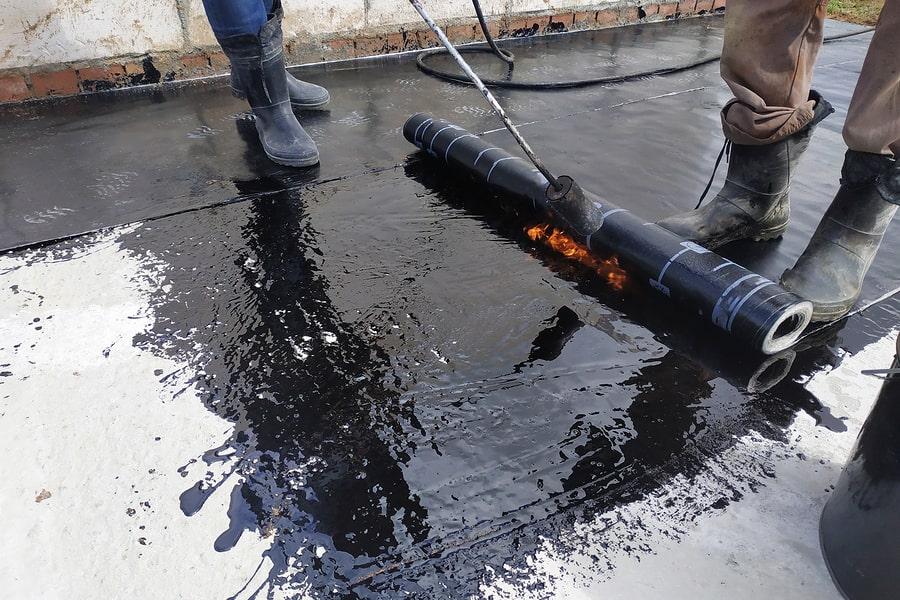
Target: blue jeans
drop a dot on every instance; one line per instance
(235, 17)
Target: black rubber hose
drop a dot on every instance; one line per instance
(545, 85)
(553, 85)
(504, 55)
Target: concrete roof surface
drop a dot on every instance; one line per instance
(221, 378)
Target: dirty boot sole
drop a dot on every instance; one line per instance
(750, 233)
(722, 222)
(293, 161)
(826, 313)
(283, 139)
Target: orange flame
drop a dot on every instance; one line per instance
(568, 247)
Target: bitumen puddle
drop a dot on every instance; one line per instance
(222, 378)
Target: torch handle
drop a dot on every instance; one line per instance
(486, 93)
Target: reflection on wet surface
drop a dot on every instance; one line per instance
(421, 392)
(414, 391)
(307, 461)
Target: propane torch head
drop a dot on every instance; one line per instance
(581, 213)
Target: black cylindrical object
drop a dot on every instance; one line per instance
(762, 313)
(860, 524)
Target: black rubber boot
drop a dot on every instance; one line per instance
(302, 93)
(754, 202)
(831, 270)
(258, 62)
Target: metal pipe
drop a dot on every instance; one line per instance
(742, 303)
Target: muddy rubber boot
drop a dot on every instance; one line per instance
(754, 202)
(302, 93)
(258, 62)
(831, 270)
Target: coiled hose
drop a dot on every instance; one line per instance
(509, 58)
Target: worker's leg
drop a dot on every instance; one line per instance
(228, 18)
(234, 17)
(257, 64)
(769, 52)
(873, 118)
(831, 270)
(768, 57)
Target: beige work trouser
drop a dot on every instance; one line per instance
(768, 57)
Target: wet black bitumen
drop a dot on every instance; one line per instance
(417, 387)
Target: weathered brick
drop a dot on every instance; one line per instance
(709, 5)
(14, 88)
(133, 68)
(427, 39)
(610, 16)
(630, 15)
(668, 9)
(100, 73)
(403, 41)
(688, 8)
(218, 62)
(523, 27)
(341, 48)
(55, 83)
(584, 19)
(94, 79)
(197, 63)
(367, 46)
(556, 25)
(460, 34)
(393, 42)
(493, 28)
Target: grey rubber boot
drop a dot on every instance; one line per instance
(302, 93)
(258, 61)
(831, 270)
(754, 202)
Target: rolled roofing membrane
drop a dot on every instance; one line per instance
(759, 312)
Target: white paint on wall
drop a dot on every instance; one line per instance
(198, 32)
(382, 12)
(59, 31)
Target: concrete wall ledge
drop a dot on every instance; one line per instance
(21, 84)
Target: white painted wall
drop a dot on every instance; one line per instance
(56, 31)
(41, 32)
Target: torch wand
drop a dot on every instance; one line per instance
(560, 189)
